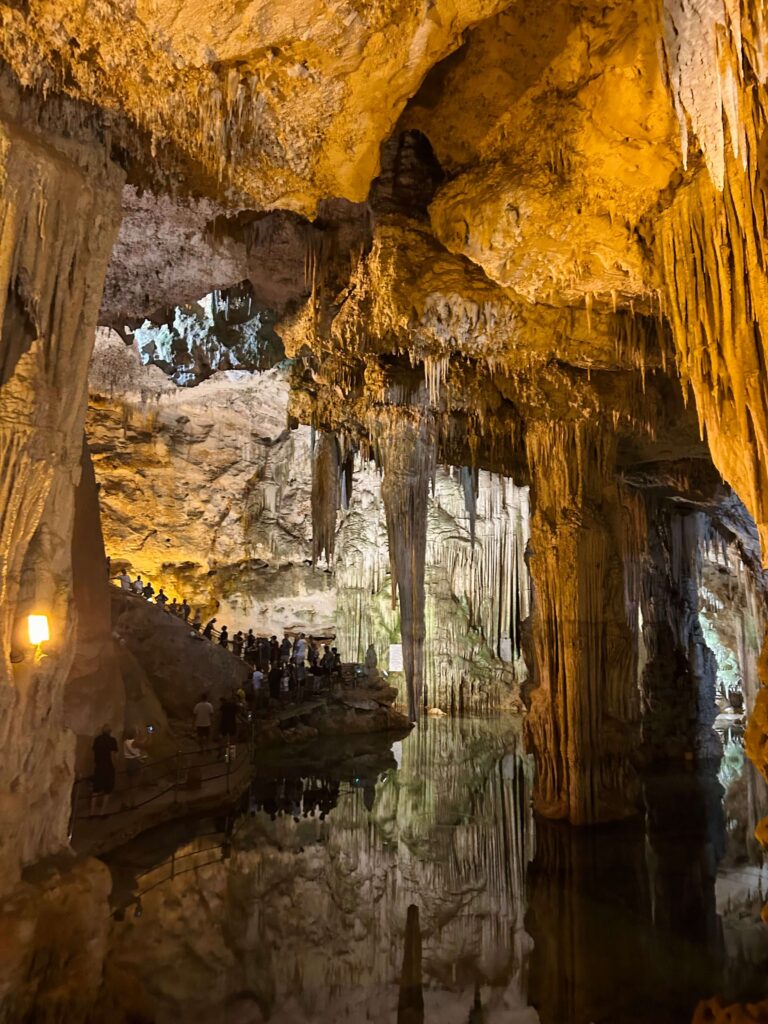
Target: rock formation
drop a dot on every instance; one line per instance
(519, 242)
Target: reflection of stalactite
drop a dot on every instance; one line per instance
(410, 1003)
(325, 495)
(408, 457)
(585, 706)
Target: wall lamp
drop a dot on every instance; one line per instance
(39, 632)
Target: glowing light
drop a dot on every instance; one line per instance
(38, 629)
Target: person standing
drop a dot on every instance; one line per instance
(197, 620)
(208, 631)
(125, 581)
(138, 585)
(184, 609)
(148, 590)
(104, 746)
(224, 637)
(162, 598)
(227, 728)
(203, 712)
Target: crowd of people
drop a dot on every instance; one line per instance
(285, 664)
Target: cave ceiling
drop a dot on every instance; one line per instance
(470, 206)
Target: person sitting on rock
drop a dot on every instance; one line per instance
(124, 580)
(223, 637)
(162, 598)
(184, 609)
(148, 590)
(138, 585)
(208, 631)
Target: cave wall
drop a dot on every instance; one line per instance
(60, 210)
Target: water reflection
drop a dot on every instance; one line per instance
(360, 887)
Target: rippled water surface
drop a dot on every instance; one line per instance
(366, 880)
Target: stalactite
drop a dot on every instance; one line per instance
(711, 241)
(407, 447)
(584, 709)
(468, 479)
(325, 496)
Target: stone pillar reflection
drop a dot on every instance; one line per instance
(583, 719)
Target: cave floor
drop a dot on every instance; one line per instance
(293, 905)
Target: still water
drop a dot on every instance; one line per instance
(407, 881)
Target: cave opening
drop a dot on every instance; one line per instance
(384, 443)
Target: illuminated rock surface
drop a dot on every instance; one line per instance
(483, 329)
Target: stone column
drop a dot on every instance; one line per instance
(59, 213)
(407, 449)
(679, 675)
(583, 718)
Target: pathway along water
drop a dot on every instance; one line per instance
(297, 909)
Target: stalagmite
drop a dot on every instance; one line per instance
(407, 447)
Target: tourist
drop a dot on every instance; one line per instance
(203, 712)
(184, 609)
(336, 663)
(313, 653)
(104, 746)
(326, 662)
(138, 585)
(300, 649)
(227, 728)
(148, 590)
(132, 757)
(237, 644)
(273, 678)
(173, 607)
(257, 683)
(197, 621)
(274, 650)
(285, 650)
(162, 598)
(125, 581)
(223, 637)
(371, 661)
(208, 631)
(250, 640)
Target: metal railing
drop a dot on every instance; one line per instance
(215, 635)
(184, 771)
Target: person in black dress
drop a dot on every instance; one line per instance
(104, 746)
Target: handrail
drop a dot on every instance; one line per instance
(323, 637)
(177, 778)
